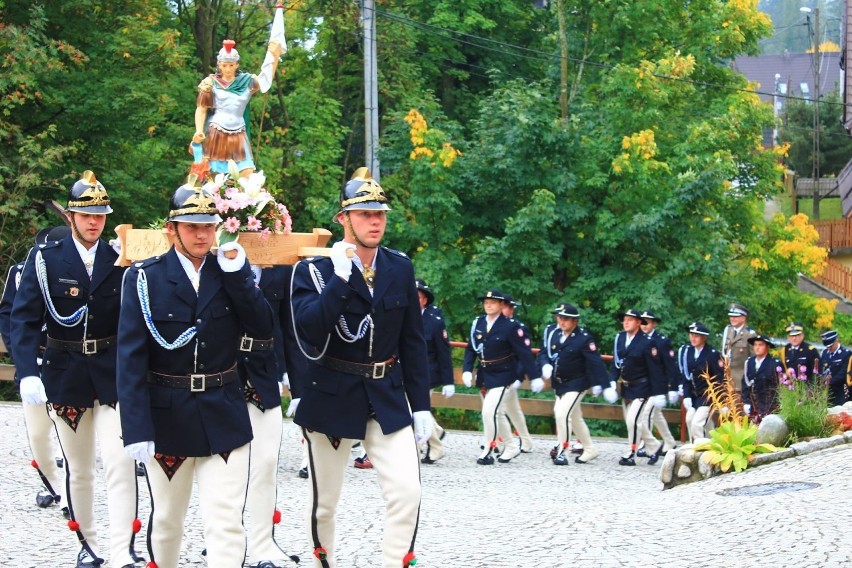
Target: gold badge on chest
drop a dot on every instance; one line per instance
(370, 276)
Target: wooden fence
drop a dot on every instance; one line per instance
(835, 234)
(837, 278)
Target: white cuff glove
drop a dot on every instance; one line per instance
(231, 264)
(673, 396)
(515, 386)
(32, 391)
(680, 390)
(140, 451)
(286, 380)
(597, 390)
(537, 385)
(610, 394)
(422, 426)
(546, 371)
(342, 263)
(291, 409)
(448, 390)
(747, 409)
(467, 378)
(116, 245)
(687, 403)
(659, 400)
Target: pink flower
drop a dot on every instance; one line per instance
(253, 224)
(232, 224)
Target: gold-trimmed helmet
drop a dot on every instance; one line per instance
(87, 195)
(362, 192)
(192, 204)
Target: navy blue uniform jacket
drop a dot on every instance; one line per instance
(10, 289)
(181, 422)
(667, 358)
(339, 403)
(438, 348)
(507, 344)
(70, 379)
(762, 393)
(639, 365)
(577, 363)
(836, 364)
(695, 383)
(804, 359)
(263, 369)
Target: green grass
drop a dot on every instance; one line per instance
(830, 208)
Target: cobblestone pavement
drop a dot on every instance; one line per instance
(527, 513)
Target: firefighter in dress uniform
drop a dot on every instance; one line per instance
(570, 358)
(184, 316)
(39, 426)
(440, 364)
(700, 366)
(368, 378)
(73, 287)
(638, 374)
(666, 354)
(760, 379)
(836, 362)
(498, 344)
(262, 366)
(798, 357)
(512, 403)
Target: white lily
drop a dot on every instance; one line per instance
(253, 183)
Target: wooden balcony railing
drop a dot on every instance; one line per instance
(837, 278)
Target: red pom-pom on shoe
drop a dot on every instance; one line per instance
(320, 553)
(276, 517)
(151, 564)
(137, 526)
(73, 525)
(34, 464)
(409, 559)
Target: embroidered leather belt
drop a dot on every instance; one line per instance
(87, 347)
(491, 362)
(252, 344)
(195, 382)
(375, 370)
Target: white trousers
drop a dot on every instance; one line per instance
(221, 498)
(512, 407)
(42, 437)
(494, 423)
(568, 408)
(659, 421)
(698, 422)
(396, 461)
(434, 445)
(78, 449)
(261, 499)
(637, 419)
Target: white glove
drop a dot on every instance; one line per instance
(673, 396)
(231, 264)
(467, 378)
(546, 371)
(537, 385)
(342, 263)
(680, 390)
(116, 245)
(422, 426)
(610, 394)
(515, 386)
(659, 400)
(597, 390)
(687, 403)
(291, 409)
(747, 409)
(448, 390)
(32, 390)
(724, 410)
(286, 380)
(140, 451)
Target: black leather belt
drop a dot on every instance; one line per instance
(194, 383)
(251, 344)
(375, 370)
(489, 363)
(87, 347)
(635, 382)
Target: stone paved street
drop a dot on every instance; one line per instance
(527, 513)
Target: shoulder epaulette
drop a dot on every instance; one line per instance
(396, 252)
(147, 262)
(49, 245)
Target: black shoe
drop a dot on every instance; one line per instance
(526, 451)
(554, 452)
(66, 512)
(487, 460)
(85, 560)
(641, 453)
(427, 460)
(653, 459)
(60, 463)
(560, 460)
(264, 564)
(303, 473)
(627, 461)
(136, 558)
(44, 499)
(140, 470)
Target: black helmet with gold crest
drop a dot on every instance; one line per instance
(87, 195)
(192, 204)
(363, 192)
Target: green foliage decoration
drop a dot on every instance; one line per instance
(733, 443)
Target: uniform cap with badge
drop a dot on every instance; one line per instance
(829, 337)
(423, 287)
(795, 328)
(88, 195)
(737, 310)
(698, 328)
(493, 294)
(363, 193)
(649, 315)
(631, 313)
(192, 204)
(509, 299)
(761, 337)
(565, 310)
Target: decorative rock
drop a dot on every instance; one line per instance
(762, 459)
(772, 430)
(836, 410)
(688, 455)
(848, 436)
(802, 448)
(705, 469)
(848, 406)
(683, 471)
(667, 469)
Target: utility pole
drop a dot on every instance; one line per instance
(563, 67)
(371, 89)
(816, 173)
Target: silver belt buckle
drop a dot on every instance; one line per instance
(90, 346)
(246, 343)
(195, 381)
(376, 370)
